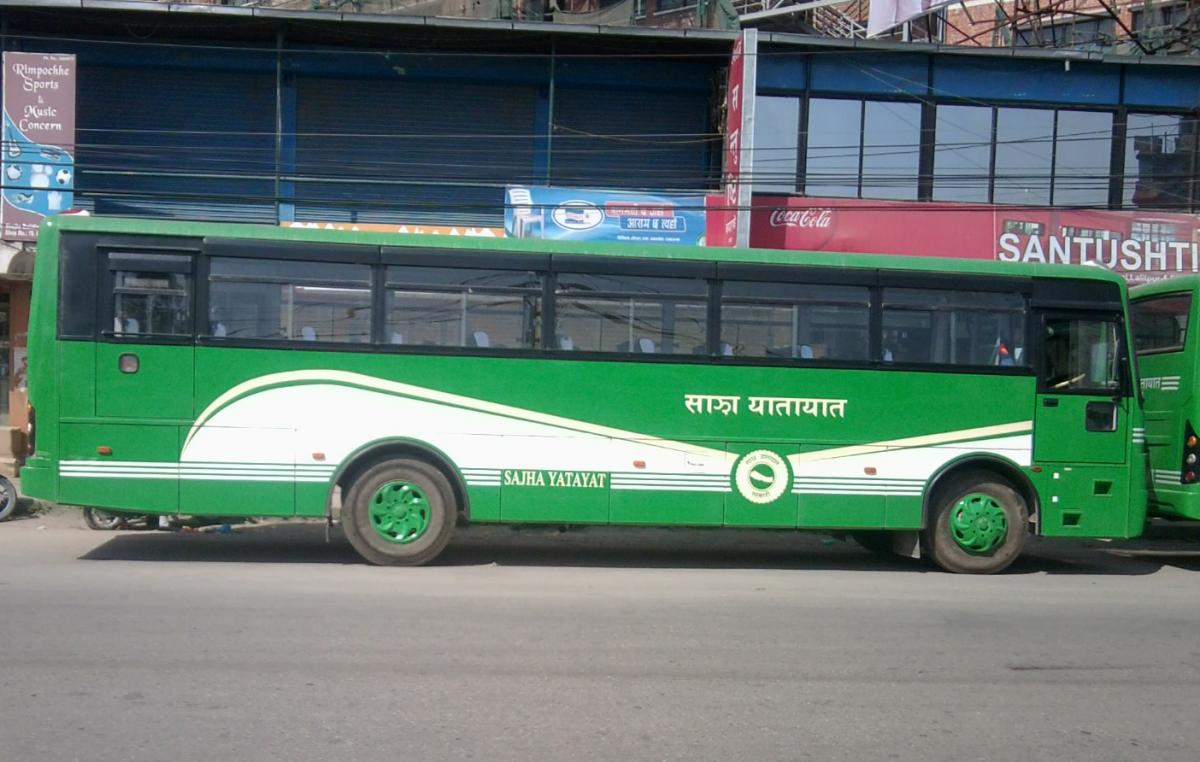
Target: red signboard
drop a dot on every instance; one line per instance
(1140, 245)
(730, 217)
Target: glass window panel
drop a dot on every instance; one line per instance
(1079, 33)
(776, 127)
(1024, 142)
(630, 284)
(633, 325)
(953, 327)
(834, 128)
(156, 303)
(794, 320)
(962, 153)
(285, 299)
(1083, 151)
(455, 276)
(1160, 323)
(231, 269)
(463, 319)
(1159, 153)
(1082, 355)
(891, 150)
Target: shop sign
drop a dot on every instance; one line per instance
(1139, 245)
(37, 170)
(730, 215)
(582, 214)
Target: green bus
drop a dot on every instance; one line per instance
(1167, 360)
(408, 384)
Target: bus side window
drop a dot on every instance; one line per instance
(152, 294)
(1160, 322)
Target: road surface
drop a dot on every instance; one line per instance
(268, 643)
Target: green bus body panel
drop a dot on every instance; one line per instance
(1169, 408)
(78, 397)
(140, 443)
(161, 387)
(1063, 438)
(148, 417)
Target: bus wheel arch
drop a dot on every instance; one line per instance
(1000, 468)
(977, 515)
(377, 452)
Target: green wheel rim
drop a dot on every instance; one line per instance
(400, 512)
(978, 523)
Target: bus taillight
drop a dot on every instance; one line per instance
(1191, 453)
(30, 432)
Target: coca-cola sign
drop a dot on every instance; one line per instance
(802, 218)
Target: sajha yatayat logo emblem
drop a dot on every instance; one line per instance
(761, 477)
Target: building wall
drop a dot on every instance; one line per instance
(981, 23)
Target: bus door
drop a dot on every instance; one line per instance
(143, 376)
(1081, 422)
(145, 359)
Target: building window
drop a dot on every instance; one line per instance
(962, 155)
(831, 167)
(1024, 156)
(669, 6)
(776, 135)
(1080, 33)
(867, 149)
(1160, 154)
(1082, 156)
(891, 150)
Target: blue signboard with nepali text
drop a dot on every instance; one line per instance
(598, 215)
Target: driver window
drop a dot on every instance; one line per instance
(1082, 355)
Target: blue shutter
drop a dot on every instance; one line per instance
(647, 139)
(410, 151)
(176, 143)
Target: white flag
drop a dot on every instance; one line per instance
(885, 14)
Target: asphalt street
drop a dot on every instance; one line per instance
(268, 643)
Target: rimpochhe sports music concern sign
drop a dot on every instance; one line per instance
(37, 171)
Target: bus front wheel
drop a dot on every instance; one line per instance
(399, 513)
(978, 525)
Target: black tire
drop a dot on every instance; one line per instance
(440, 504)
(938, 538)
(102, 521)
(8, 498)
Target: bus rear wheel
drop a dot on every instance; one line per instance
(399, 513)
(978, 525)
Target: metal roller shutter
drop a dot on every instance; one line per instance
(410, 151)
(176, 143)
(654, 140)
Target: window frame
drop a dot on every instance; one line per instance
(1060, 293)
(111, 259)
(1189, 295)
(1124, 380)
